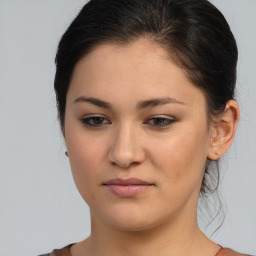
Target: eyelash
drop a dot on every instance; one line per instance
(162, 118)
(87, 121)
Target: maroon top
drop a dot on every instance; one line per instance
(65, 251)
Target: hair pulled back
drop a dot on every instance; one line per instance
(193, 32)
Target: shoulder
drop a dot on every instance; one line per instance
(230, 252)
(65, 251)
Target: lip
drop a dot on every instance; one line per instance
(127, 187)
(130, 181)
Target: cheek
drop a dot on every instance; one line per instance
(181, 157)
(180, 164)
(86, 158)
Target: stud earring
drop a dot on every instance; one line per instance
(66, 153)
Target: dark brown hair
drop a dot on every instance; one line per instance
(194, 32)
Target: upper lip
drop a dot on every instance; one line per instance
(130, 181)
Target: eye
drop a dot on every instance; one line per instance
(159, 121)
(94, 121)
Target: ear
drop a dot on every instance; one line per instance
(223, 131)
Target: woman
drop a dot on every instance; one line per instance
(145, 94)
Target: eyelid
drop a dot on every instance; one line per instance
(94, 115)
(85, 120)
(164, 117)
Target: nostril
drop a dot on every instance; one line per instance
(126, 151)
(122, 165)
(125, 165)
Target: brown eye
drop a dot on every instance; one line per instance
(160, 121)
(94, 121)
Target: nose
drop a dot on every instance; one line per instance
(126, 148)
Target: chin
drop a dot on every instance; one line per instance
(130, 219)
(132, 225)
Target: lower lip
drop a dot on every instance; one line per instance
(128, 190)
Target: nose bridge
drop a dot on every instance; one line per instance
(125, 146)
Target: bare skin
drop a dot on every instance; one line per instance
(132, 113)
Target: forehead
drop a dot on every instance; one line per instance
(139, 69)
(141, 55)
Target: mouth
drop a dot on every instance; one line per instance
(127, 187)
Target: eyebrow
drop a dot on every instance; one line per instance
(140, 104)
(94, 101)
(157, 102)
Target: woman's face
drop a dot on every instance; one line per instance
(137, 136)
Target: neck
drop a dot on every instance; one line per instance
(176, 238)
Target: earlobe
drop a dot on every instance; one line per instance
(223, 131)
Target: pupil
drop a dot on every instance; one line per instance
(159, 121)
(97, 120)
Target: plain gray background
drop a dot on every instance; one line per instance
(40, 208)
